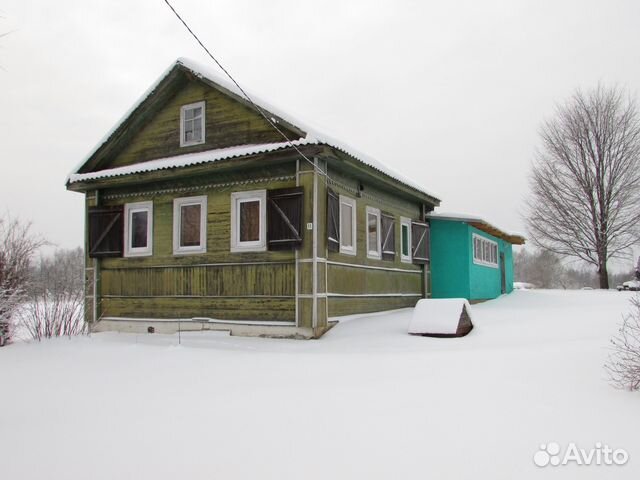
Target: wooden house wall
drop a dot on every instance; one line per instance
(217, 284)
(359, 284)
(228, 123)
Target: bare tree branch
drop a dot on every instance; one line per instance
(585, 183)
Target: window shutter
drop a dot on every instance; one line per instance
(105, 231)
(420, 242)
(388, 225)
(333, 220)
(284, 218)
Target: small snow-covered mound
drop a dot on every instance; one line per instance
(441, 317)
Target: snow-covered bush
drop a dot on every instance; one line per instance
(53, 314)
(17, 246)
(623, 365)
(54, 306)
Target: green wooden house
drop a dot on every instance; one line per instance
(470, 258)
(201, 215)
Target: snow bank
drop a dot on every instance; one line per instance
(438, 316)
(367, 401)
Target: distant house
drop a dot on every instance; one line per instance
(470, 258)
(199, 212)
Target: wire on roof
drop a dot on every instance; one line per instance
(246, 95)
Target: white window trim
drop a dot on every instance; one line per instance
(348, 250)
(129, 210)
(238, 198)
(178, 203)
(479, 261)
(406, 222)
(183, 109)
(376, 254)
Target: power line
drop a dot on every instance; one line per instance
(246, 95)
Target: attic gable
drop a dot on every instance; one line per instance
(130, 147)
(152, 129)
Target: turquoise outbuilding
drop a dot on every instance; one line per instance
(470, 258)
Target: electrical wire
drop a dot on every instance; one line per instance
(246, 95)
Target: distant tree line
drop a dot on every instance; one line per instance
(546, 269)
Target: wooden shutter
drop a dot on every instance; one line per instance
(420, 239)
(388, 226)
(333, 220)
(284, 218)
(105, 231)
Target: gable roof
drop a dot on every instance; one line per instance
(309, 136)
(481, 224)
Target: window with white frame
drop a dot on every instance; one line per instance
(373, 232)
(190, 225)
(347, 225)
(405, 239)
(192, 124)
(485, 251)
(248, 221)
(138, 229)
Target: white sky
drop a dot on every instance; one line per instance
(450, 94)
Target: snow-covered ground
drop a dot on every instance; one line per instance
(366, 401)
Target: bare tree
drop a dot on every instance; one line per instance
(623, 365)
(62, 271)
(18, 244)
(585, 184)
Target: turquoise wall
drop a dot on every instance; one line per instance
(453, 271)
(449, 259)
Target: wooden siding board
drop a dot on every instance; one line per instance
(227, 123)
(274, 309)
(218, 230)
(385, 201)
(210, 280)
(234, 280)
(339, 306)
(352, 280)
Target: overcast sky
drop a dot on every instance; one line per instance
(450, 94)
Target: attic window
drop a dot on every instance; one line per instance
(192, 124)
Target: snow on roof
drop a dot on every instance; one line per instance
(513, 237)
(313, 136)
(185, 160)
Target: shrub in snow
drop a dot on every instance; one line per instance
(623, 365)
(17, 246)
(53, 314)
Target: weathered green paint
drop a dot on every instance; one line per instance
(217, 284)
(341, 306)
(454, 273)
(272, 309)
(371, 289)
(306, 286)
